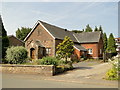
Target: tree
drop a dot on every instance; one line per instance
(88, 29)
(100, 29)
(104, 42)
(22, 33)
(104, 46)
(111, 47)
(65, 49)
(96, 29)
(5, 41)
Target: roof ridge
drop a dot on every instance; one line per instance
(15, 37)
(89, 32)
(53, 25)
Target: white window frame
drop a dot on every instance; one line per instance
(48, 51)
(90, 51)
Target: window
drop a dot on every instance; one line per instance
(48, 51)
(90, 51)
(41, 51)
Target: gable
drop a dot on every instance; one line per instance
(55, 32)
(34, 27)
(59, 33)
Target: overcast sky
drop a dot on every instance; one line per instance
(68, 15)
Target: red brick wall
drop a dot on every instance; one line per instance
(94, 47)
(100, 46)
(77, 52)
(44, 37)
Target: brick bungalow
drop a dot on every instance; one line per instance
(44, 38)
(13, 41)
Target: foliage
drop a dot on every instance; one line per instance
(96, 29)
(22, 32)
(104, 42)
(100, 29)
(62, 68)
(111, 47)
(88, 29)
(65, 49)
(16, 55)
(112, 74)
(61, 62)
(48, 61)
(77, 31)
(5, 41)
(74, 58)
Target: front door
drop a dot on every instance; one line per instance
(32, 50)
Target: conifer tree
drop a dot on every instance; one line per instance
(111, 47)
(96, 29)
(88, 29)
(5, 41)
(100, 29)
(65, 49)
(104, 42)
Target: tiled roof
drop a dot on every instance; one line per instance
(57, 32)
(9, 36)
(88, 37)
(80, 47)
(60, 33)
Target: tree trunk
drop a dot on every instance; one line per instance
(66, 59)
(104, 56)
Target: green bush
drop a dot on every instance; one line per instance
(61, 62)
(16, 55)
(74, 58)
(112, 74)
(48, 61)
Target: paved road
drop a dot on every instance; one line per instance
(34, 81)
(86, 75)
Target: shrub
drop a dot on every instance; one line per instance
(48, 61)
(60, 69)
(74, 58)
(16, 55)
(112, 74)
(61, 62)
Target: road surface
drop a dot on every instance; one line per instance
(86, 75)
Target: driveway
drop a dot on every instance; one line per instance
(92, 72)
(85, 75)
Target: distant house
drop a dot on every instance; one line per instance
(118, 45)
(13, 41)
(44, 38)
